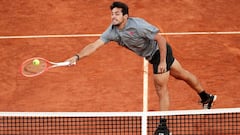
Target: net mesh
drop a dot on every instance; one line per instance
(204, 124)
(69, 125)
(192, 122)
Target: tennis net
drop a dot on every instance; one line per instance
(186, 122)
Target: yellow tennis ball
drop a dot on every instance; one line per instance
(36, 62)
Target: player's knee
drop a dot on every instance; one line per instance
(160, 83)
(162, 91)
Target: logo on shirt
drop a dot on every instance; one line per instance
(131, 33)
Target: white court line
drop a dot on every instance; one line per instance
(145, 85)
(51, 36)
(203, 33)
(97, 35)
(145, 96)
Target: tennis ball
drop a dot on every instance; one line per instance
(36, 62)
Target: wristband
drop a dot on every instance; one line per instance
(78, 58)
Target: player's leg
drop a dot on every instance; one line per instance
(161, 82)
(180, 73)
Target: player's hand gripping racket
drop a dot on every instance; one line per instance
(37, 65)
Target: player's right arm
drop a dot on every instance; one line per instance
(86, 51)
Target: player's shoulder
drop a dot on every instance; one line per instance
(136, 19)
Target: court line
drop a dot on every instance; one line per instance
(145, 85)
(50, 36)
(97, 35)
(145, 96)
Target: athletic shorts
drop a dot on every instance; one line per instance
(156, 59)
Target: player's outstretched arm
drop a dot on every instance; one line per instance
(87, 50)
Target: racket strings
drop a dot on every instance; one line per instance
(29, 68)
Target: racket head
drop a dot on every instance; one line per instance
(29, 69)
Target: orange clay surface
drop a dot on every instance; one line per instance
(111, 79)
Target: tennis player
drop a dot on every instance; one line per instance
(145, 40)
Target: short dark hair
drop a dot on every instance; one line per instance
(121, 5)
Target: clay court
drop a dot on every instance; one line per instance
(111, 80)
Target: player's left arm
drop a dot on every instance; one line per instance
(163, 52)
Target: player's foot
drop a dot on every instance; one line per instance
(209, 102)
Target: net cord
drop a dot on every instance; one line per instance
(112, 114)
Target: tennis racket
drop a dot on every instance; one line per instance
(31, 69)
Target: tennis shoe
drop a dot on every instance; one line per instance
(209, 102)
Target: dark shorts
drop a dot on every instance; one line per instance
(156, 59)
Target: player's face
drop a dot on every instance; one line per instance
(117, 17)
